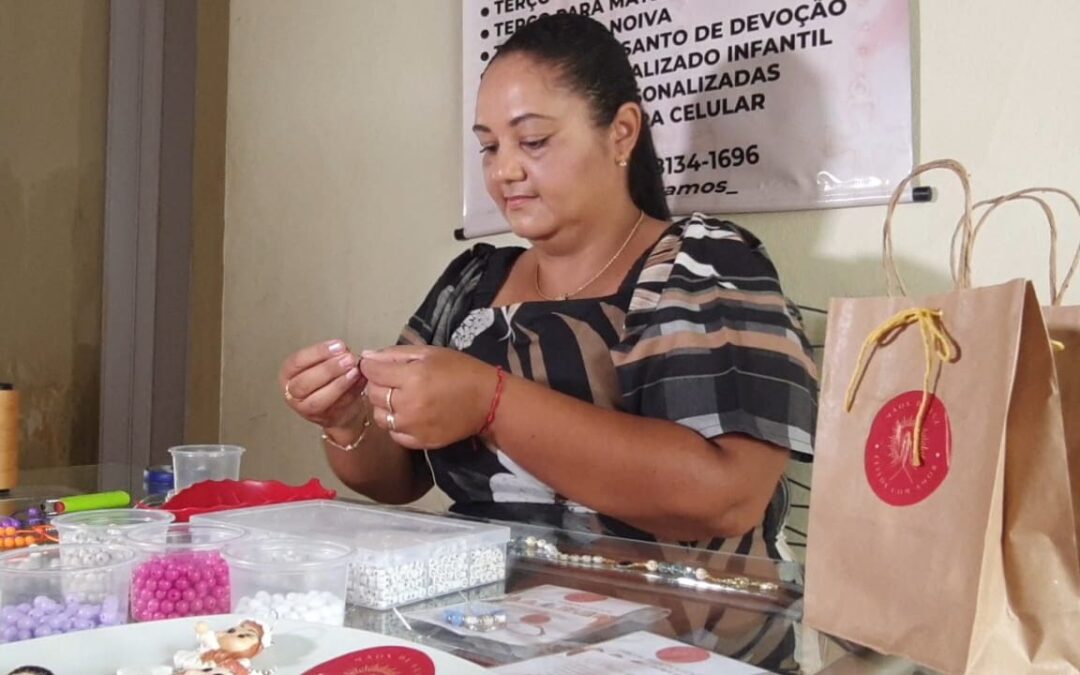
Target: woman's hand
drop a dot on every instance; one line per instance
(439, 395)
(323, 384)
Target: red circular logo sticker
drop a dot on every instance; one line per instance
(682, 655)
(889, 449)
(378, 661)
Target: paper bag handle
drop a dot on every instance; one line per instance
(888, 260)
(1057, 293)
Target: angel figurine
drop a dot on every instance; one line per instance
(227, 652)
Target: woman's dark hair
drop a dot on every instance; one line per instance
(593, 64)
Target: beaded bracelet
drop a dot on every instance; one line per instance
(500, 374)
(683, 575)
(481, 622)
(351, 446)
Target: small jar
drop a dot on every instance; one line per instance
(179, 570)
(158, 480)
(298, 579)
(48, 590)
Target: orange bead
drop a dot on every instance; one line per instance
(20, 542)
(9, 532)
(9, 542)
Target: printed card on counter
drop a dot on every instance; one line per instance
(638, 653)
(543, 615)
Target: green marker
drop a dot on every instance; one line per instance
(117, 499)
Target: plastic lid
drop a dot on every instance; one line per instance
(376, 534)
(113, 518)
(205, 450)
(53, 559)
(286, 554)
(184, 536)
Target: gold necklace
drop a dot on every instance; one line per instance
(566, 296)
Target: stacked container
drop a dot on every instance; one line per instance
(398, 557)
(289, 579)
(180, 570)
(47, 590)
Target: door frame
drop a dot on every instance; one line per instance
(147, 235)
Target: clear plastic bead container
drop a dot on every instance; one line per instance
(196, 463)
(297, 579)
(399, 557)
(49, 590)
(180, 571)
(106, 526)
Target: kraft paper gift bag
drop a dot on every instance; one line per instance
(941, 527)
(1063, 323)
(1064, 326)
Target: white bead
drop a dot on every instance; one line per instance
(652, 565)
(701, 573)
(263, 597)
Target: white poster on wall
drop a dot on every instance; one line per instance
(755, 105)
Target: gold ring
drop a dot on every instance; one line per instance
(390, 421)
(288, 394)
(389, 405)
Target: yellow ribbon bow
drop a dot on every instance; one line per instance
(938, 347)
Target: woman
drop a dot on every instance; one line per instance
(623, 375)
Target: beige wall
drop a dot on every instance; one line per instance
(208, 222)
(53, 73)
(343, 178)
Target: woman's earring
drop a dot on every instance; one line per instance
(622, 162)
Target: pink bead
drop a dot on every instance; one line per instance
(166, 607)
(173, 595)
(183, 607)
(157, 616)
(153, 605)
(150, 585)
(172, 574)
(195, 575)
(197, 606)
(209, 604)
(181, 584)
(156, 572)
(188, 595)
(160, 595)
(202, 588)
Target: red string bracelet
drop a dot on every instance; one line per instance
(501, 375)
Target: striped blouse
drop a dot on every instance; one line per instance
(699, 333)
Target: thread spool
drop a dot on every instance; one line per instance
(9, 436)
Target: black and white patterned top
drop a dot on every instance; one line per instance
(698, 333)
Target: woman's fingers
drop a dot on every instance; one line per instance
(309, 356)
(304, 384)
(318, 402)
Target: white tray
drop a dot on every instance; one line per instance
(297, 647)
